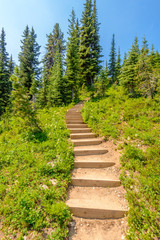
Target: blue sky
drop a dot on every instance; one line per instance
(125, 18)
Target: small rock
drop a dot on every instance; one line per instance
(51, 163)
(25, 238)
(44, 186)
(53, 181)
(122, 222)
(123, 237)
(87, 224)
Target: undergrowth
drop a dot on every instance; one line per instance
(35, 171)
(134, 125)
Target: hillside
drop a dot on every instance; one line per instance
(35, 172)
(133, 125)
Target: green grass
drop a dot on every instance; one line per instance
(29, 202)
(135, 123)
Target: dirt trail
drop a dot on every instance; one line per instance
(95, 197)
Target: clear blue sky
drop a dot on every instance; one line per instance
(125, 18)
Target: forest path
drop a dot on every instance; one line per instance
(95, 197)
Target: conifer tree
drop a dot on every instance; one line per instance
(11, 65)
(22, 106)
(118, 65)
(72, 75)
(128, 72)
(85, 45)
(96, 48)
(112, 61)
(102, 82)
(55, 88)
(146, 73)
(5, 86)
(89, 44)
(28, 57)
(55, 40)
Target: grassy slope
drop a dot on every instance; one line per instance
(28, 199)
(135, 124)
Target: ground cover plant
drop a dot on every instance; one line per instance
(35, 171)
(133, 124)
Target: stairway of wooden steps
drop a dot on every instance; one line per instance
(93, 183)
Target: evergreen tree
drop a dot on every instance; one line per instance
(5, 86)
(146, 74)
(96, 48)
(55, 91)
(118, 65)
(72, 76)
(102, 82)
(28, 57)
(22, 106)
(11, 65)
(55, 40)
(89, 44)
(128, 72)
(85, 45)
(112, 61)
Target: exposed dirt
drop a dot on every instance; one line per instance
(87, 229)
(95, 229)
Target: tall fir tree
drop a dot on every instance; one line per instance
(29, 60)
(55, 40)
(96, 48)
(112, 61)
(128, 72)
(11, 65)
(118, 65)
(22, 106)
(146, 72)
(5, 85)
(85, 45)
(89, 44)
(72, 75)
(55, 90)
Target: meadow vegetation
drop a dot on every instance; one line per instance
(133, 125)
(35, 171)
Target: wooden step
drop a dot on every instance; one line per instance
(91, 209)
(74, 121)
(84, 152)
(86, 142)
(86, 182)
(74, 117)
(93, 164)
(82, 135)
(80, 130)
(82, 125)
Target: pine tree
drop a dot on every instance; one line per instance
(28, 57)
(146, 74)
(22, 106)
(96, 48)
(128, 72)
(112, 61)
(55, 40)
(5, 86)
(89, 44)
(55, 88)
(85, 45)
(72, 75)
(11, 65)
(102, 83)
(118, 65)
